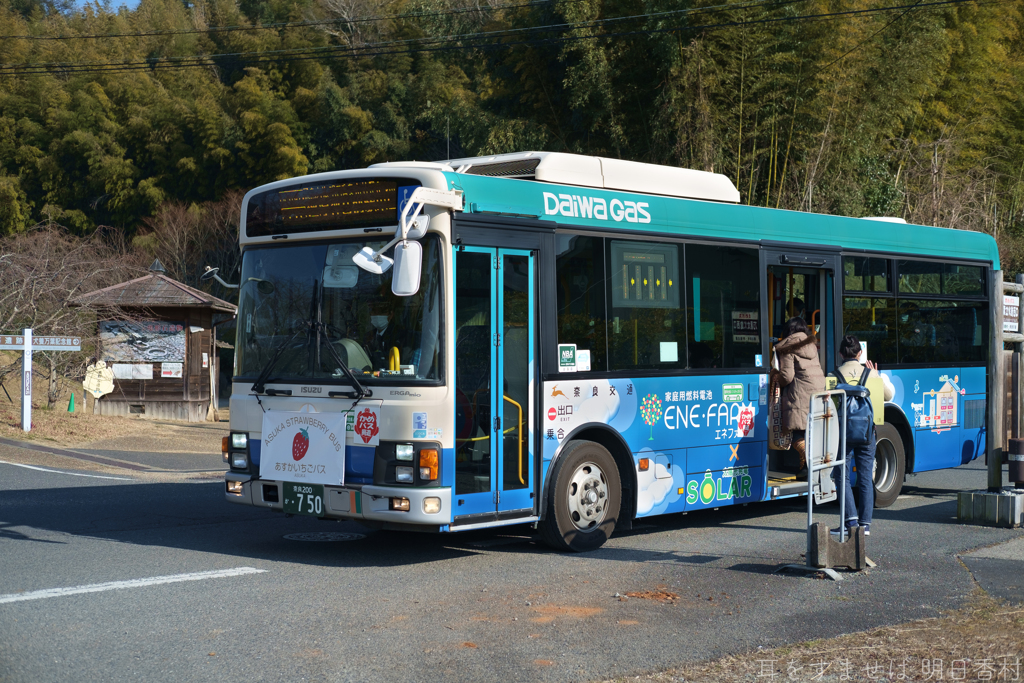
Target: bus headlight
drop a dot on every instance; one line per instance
(239, 440)
(432, 505)
(239, 461)
(403, 475)
(403, 451)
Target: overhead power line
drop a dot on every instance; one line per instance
(363, 20)
(283, 24)
(439, 44)
(173, 61)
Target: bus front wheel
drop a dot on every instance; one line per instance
(890, 465)
(583, 498)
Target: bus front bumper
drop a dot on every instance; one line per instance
(367, 502)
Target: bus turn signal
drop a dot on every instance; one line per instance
(428, 464)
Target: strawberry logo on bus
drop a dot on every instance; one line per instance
(300, 444)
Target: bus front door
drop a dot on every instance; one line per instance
(494, 366)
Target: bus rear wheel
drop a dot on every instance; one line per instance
(890, 465)
(583, 498)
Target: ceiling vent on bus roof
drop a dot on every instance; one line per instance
(599, 172)
(521, 168)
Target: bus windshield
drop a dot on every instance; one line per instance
(299, 299)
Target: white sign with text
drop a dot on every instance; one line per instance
(303, 447)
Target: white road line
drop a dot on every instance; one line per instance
(73, 474)
(133, 583)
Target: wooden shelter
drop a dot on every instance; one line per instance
(161, 345)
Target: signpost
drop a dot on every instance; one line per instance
(25, 343)
(1011, 311)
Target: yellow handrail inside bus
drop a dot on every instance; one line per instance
(520, 439)
(394, 359)
(510, 429)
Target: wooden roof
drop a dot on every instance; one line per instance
(155, 290)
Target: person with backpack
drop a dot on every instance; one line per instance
(860, 447)
(801, 376)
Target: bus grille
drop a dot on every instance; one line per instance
(974, 414)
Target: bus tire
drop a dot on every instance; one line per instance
(890, 465)
(583, 498)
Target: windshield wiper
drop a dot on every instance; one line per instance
(318, 328)
(259, 386)
(360, 390)
(314, 329)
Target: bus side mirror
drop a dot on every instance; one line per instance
(405, 280)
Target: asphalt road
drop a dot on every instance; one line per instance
(408, 607)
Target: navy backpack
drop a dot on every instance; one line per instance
(860, 416)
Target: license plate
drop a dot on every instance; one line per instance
(304, 499)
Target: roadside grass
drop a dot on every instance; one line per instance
(984, 641)
(58, 427)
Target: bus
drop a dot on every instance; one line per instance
(573, 342)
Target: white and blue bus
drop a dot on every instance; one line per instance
(574, 342)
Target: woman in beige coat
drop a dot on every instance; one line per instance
(801, 376)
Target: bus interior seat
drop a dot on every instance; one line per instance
(353, 355)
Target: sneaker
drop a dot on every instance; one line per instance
(838, 531)
(867, 529)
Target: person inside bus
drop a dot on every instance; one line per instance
(860, 503)
(801, 376)
(916, 331)
(800, 309)
(385, 335)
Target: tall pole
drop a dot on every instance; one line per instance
(1018, 395)
(996, 432)
(26, 381)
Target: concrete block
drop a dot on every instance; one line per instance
(1002, 509)
(965, 506)
(828, 552)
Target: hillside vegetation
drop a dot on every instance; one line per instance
(159, 116)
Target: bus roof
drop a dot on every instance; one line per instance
(579, 206)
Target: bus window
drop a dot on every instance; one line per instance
(872, 321)
(473, 278)
(580, 294)
(866, 274)
(723, 306)
(648, 327)
(929, 277)
(942, 331)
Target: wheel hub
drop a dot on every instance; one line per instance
(587, 497)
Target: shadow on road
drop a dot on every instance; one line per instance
(195, 516)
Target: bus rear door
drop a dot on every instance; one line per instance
(801, 283)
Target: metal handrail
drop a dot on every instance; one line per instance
(520, 440)
(507, 431)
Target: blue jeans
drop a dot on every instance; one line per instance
(864, 458)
